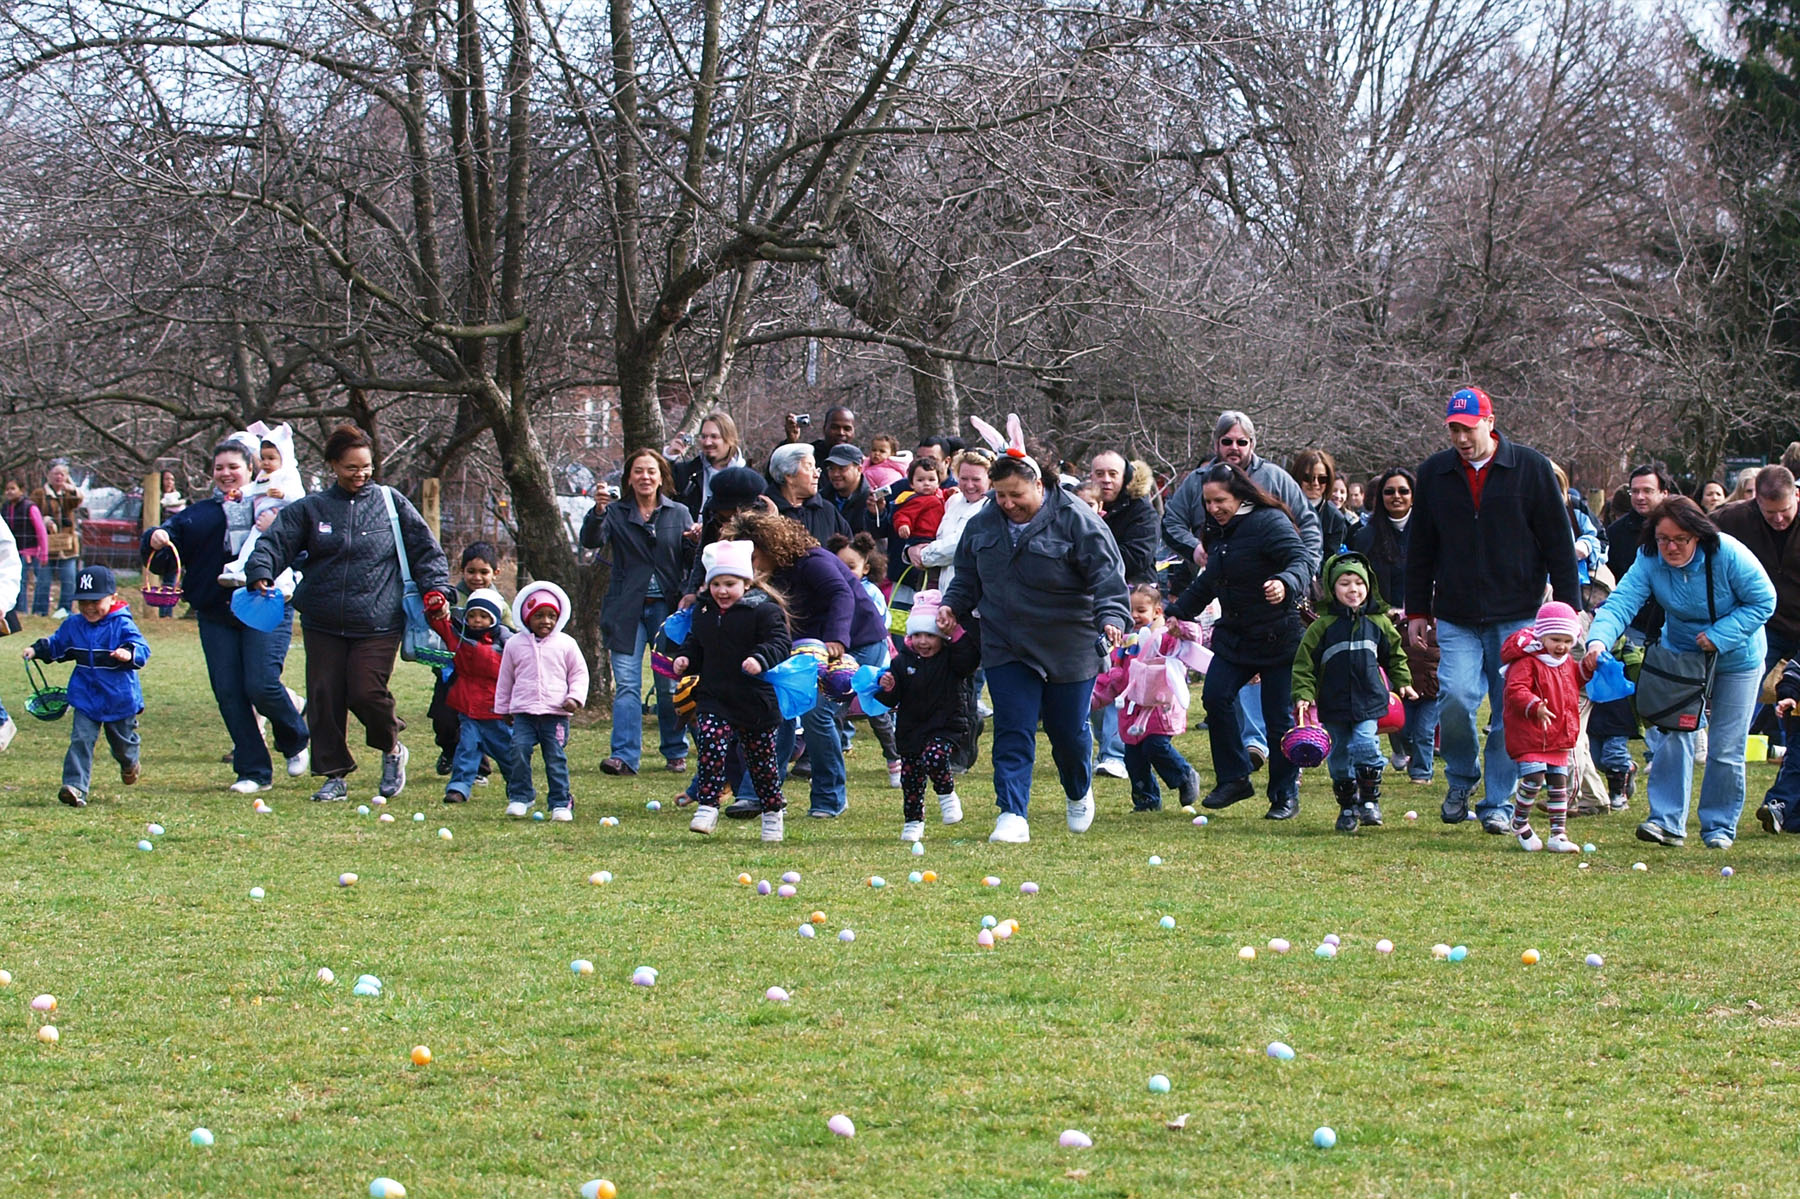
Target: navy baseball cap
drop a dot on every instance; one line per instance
(94, 582)
(1469, 406)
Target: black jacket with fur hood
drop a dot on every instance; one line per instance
(1136, 525)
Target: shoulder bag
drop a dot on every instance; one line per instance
(418, 643)
(1674, 687)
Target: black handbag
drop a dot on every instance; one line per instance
(1674, 687)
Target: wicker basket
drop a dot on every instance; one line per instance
(166, 595)
(1306, 745)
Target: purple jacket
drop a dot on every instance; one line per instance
(825, 601)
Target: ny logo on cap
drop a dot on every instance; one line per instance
(86, 583)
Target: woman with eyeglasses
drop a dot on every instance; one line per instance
(1316, 472)
(1681, 552)
(1382, 540)
(646, 532)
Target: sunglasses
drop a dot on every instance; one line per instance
(1234, 441)
(1396, 491)
(1316, 479)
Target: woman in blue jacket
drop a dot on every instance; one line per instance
(1681, 551)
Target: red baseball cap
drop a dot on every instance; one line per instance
(1469, 406)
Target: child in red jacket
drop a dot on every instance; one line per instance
(1541, 711)
(479, 643)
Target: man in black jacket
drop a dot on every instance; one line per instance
(1489, 527)
(849, 491)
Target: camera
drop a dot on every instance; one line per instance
(801, 418)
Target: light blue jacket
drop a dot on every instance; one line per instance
(1743, 597)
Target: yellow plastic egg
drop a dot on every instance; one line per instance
(817, 917)
(930, 876)
(744, 880)
(1529, 957)
(421, 1055)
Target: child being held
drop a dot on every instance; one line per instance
(739, 632)
(1338, 675)
(277, 485)
(884, 466)
(1154, 685)
(542, 679)
(108, 650)
(1541, 711)
(928, 681)
(479, 642)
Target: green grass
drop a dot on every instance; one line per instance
(182, 1002)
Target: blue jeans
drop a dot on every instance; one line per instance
(1468, 672)
(528, 733)
(1722, 783)
(628, 696)
(1104, 723)
(1224, 683)
(474, 738)
(1021, 699)
(824, 751)
(1786, 789)
(1418, 740)
(244, 668)
(1154, 755)
(63, 571)
(1353, 746)
(1250, 717)
(78, 763)
(1613, 753)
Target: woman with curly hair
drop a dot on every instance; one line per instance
(827, 603)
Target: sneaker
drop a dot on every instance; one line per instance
(518, 810)
(1081, 812)
(950, 808)
(455, 797)
(1011, 828)
(1419, 780)
(1716, 841)
(60, 614)
(675, 765)
(1496, 824)
(130, 772)
(1259, 756)
(300, 763)
(705, 820)
(912, 830)
(1347, 821)
(1529, 841)
(1558, 843)
(1456, 806)
(249, 787)
(8, 730)
(1400, 761)
(744, 809)
(443, 763)
(1771, 815)
(819, 814)
(72, 797)
(1656, 834)
(393, 772)
(1369, 814)
(616, 766)
(1190, 789)
(774, 825)
(1226, 794)
(1112, 768)
(893, 774)
(331, 790)
(984, 709)
(564, 814)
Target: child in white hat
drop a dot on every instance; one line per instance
(927, 683)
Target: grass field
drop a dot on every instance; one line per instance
(184, 1003)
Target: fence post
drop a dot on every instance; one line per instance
(431, 508)
(152, 515)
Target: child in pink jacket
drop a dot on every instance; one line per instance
(1154, 685)
(543, 678)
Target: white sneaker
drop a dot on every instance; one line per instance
(1112, 768)
(912, 830)
(393, 771)
(1717, 841)
(1011, 828)
(705, 820)
(231, 578)
(60, 614)
(773, 825)
(564, 814)
(950, 807)
(300, 763)
(1529, 841)
(1557, 843)
(8, 730)
(248, 786)
(516, 809)
(893, 774)
(298, 700)
(1081, 812)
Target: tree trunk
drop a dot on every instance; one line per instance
(936, 399)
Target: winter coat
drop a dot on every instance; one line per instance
(921, 514)
(1743, 598)
(825, 601)
(940, 554)
(1136, 525)
(1532, 683)
(814, 514)
(1339, 663)
(537, 674)
(854, 509)
(27, 525)
(1045, 599)
(59, 511)
(1422, 663)
(12, 574)
(1788, 685)
(1334, 529)
(477, 665)
(716, 646)
(1254, 546)
(1622, 544)
(1184, 515)
(1780, 560)
(352, 586)
(197, 533)
(1390, 574)
(930, 694)
(688, 477)
(641, 551)
(1583, 532)
(1140, 721)
(102, 687)
(1488, 567)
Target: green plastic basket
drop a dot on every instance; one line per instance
(44, 701)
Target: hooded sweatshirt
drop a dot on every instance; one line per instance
(1339, 663)
(537, 674)
(102, 688)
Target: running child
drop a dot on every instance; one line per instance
(479, 643)
(1541, 711)
(542, 679)
(928, 683)
(1154, 713)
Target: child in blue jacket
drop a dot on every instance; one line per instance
(108, 650)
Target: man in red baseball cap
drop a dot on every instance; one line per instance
(1489, 529)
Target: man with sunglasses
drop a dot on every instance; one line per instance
(1489, 525)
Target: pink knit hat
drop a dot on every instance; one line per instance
(1557, 617)
(924, 614)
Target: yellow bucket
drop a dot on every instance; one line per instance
(1756, 748)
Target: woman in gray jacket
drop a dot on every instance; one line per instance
(1046, 577)
(349, 602)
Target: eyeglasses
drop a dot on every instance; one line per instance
(1396, 491)
(1676, 543)
(1316, 479)
(1234, 441)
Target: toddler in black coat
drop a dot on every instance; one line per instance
(927, 681)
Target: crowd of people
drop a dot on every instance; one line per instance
(956, 592)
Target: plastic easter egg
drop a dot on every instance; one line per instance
(988, 922)
(776, 995)
(386, 1188)
(1459, 952)
(763, 887)
(840, 1125)
(445, 834)
(991, 881)
(539, 817)
(1155, 861)
(48, 1034)
(385, 818)
(792, 876)
(1725, 872)
(154, 829)
(1028, 888)
(1247, 954)
(1281, 1051)
(785, 891)
(985, 938)
(1595, 960)
(599, 1188)
(261, 808)
(325, 976)
(256, 892)
(346, 879)
(931, 876)
(1159, 1084)
(600, 878)
(1200, 821)
(1004, 932)
(817, 917)
(1279, 944)
(1589, 847)
(5, 978)
(806, 930)
(1440, 951)
(918, 849)
(370, 979)
(421, 1055)
(378, 800)
(200, 1138)
(1332, 939)
(1384, 946)
(1187, 809)
(362, 809)
(418, 818)
(1530, 957)
(1411, 815)
(44, 1003)
(365, 991)
(1009, 922)
(1324, 1137)
(1167, 922)
(654, 805)
(1074, 1138)
(847, 936)
(877, 882)
(744, 880)
(1639, 866)
(605, 821)
(643, 976)
(581, 966)
(915, 877)
(145, 846)
(1327, 950)
(1581, 866)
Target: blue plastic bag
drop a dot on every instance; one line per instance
(866, 684)
(677, 626)
(1609, 681)
(796, 683)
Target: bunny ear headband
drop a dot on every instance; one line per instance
(1012, 445)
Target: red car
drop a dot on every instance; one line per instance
(111, 538)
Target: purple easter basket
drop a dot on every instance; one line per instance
(1306, 745)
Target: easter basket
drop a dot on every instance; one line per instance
(1306, 745)
(165, 595)
(43, 701)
